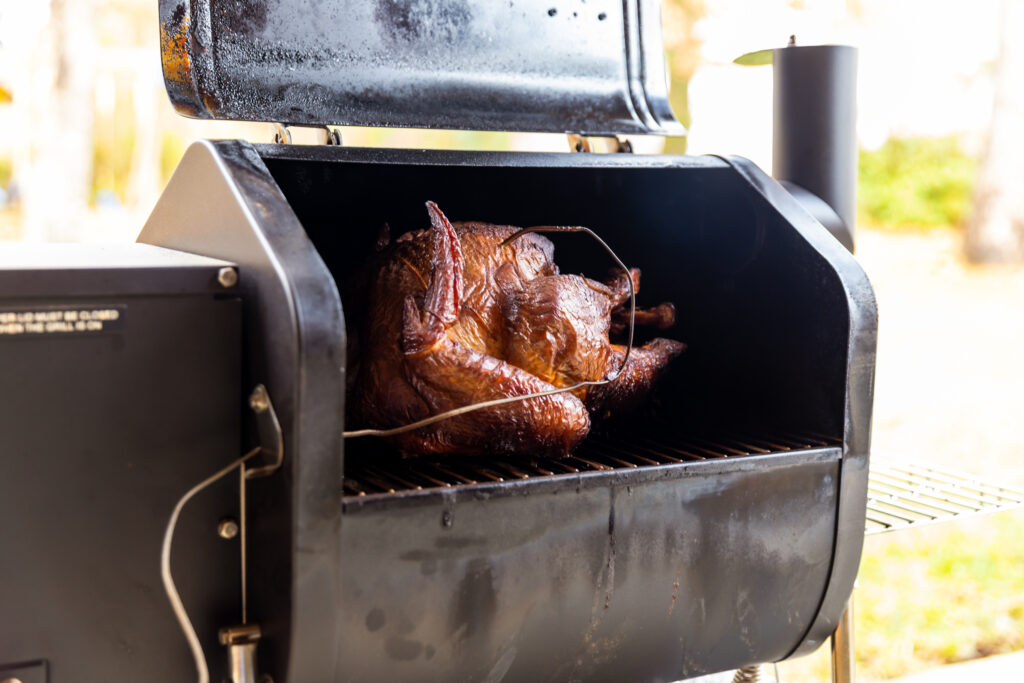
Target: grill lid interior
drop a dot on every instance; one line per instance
(564, 66)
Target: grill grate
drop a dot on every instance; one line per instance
(386, 472)
(907, 494)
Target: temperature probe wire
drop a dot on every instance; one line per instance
(537, 394)
(202, 670)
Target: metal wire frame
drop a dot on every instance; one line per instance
(903, 494)
(378, 472)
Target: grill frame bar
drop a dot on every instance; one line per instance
(588, 479)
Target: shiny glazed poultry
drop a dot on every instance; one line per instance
(453, 318)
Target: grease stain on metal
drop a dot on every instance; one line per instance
(610, 573)
(675, 593)
(375, 620)
(403, 650)
(405, 21)
(476, 600)
(501, 667)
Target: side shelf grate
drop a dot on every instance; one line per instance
(903, 494)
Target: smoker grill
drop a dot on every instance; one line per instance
(721, 528)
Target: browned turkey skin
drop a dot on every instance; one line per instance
(453, 318)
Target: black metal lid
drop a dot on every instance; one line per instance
(570, 66)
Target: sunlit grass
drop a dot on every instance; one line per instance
(933, 596)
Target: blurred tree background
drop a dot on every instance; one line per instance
(683, 52)
(916, 183)
(87, 97)
(995, 232)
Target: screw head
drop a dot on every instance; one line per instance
(227, 277)
(259, 401)
(226, 529)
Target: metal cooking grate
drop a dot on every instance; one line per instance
(388, 472)
(904, 494)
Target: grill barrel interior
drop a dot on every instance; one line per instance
(720, 529)
(761, 314)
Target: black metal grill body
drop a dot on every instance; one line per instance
(529, 65)
(102, 429)
(673, 552)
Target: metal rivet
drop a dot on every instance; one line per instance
(259, 401)
(227, 277)
(282, 136)
(227, 528)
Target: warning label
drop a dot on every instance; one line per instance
(61, 320)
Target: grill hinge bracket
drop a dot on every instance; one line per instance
(268, 429)
(328, 136)
(585, 143)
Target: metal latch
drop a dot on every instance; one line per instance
(241, 643)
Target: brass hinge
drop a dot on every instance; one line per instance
(329, 136)
(584, 143)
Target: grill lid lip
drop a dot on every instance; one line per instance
(556, 66)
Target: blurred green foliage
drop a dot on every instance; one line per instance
(682, 57)
(6, 171)
(172, 147)
(916, 182)
(114, 145)
(112, 162)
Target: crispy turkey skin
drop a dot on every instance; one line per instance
(453, 318)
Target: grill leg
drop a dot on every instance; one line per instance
(844, 666)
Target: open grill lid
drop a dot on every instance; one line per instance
(568, 66)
